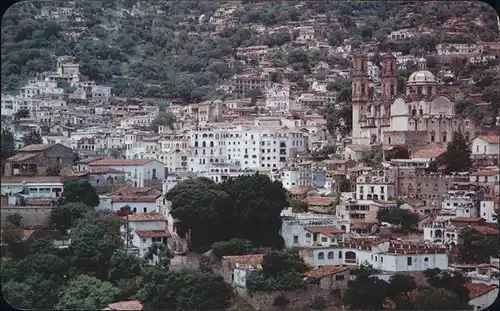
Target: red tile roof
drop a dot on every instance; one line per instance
(478, 289)
(362, 224)
(328, 231)
(467, 219)
(119, 162)
(319, 201)
(132, 305)
(251, 260)
(485, 173)
(428, 153)
(30, 179)
(153, 216)
(89, 160)
(36, 147)
(20, 157)
(491, 139)
(325, 271)
(144, 234)
(486, 230)
(27, 233)
(300, 190)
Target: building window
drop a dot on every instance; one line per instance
(324, 239)
(135, 209)
(295, 239)
(340, 254)
(330, 255)
(426, 259)
(381, 259)
(145, 210)
(321, 256)
(408, 261)
(143, 240)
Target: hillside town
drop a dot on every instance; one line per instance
(286, 160)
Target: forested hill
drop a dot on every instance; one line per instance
(169, 48)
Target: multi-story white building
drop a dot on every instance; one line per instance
(402, 34)
(488, 210)
(292, 176)
(374, 188)
(144, 229)
(462, 204)
(308, 229)
(305, 33)
(8, 105)
(441, 232)
(278, 98)
(455, 48)
(383, 255)
(253, 147)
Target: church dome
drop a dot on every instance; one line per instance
(422, 76)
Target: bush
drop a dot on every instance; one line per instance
(318, 303)
(233, 247)
(280, 301)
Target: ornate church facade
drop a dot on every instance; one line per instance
(423, 115)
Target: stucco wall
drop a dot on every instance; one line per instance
(31, 216)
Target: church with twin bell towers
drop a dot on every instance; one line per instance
(423, 114)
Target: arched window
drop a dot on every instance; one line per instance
(330, 255)
(308, 235)
(426, 259)
(321, 256)
(340, 254)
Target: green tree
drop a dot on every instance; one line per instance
(32, 138)
(400, 284)
(372, 290)
(197, 203)
(477, 247)
(165, 119)
(439, 299)
(232, 247)
(79, 191)
(21, 114)
(275, 263)
(63, 217)
(398, 216)
(91, 248)
(256, 200)
(87, 293)
(457, 155)
(8, 146)
(452, 281)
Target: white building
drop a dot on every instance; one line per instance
(295, 176)
(481, 296)
(253, 147)
(402, 34)
(441, 232)
(278, 98)
(47, 187)
(372, 187)
(144, 229)
(305, 33)
(455, 48)
(8, 105)
(383, 255)
(487, 210)
(308, 229)
(486, 145)
(140, 173)
(139, 200)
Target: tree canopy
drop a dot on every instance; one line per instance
(457, 155)
(79, 191)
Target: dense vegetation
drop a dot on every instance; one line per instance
(234, 207)
(93, 272)
(171, 54)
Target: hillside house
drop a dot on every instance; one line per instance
(36, 159)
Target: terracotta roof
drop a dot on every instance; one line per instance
(428, 153)
(299, 190)
(106, 170)
(362, 225)
(27, 234)
(20, 157)
(129, 190)
(152, 216)
(251, 260)
(319, 201)
(478, 289)
(145, 198)
(144, 234)
(491, 139)
(485, 173)
(325, 271)
(36, 147)
(415, 202)
(328, 231)
(40, 202)
(486, 230)
(89, 160)
(30, 179)
(467, 219)
(132, 305)
(119, 162)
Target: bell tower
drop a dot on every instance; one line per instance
(360, 81)
(389, 81)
